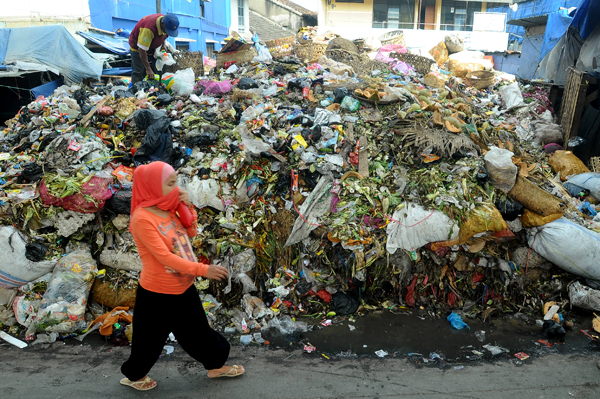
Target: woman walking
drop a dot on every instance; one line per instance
(167, 300)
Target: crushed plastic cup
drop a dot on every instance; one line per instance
(381, 353)
(246, 339)
(480, 335)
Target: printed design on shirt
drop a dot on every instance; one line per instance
(180, 242)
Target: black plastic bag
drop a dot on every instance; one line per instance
(509, 209)
(202, 140)
(299, 83)
(47, 140)
(120, 203)
(575, 190)
(339, 94)
(342, 303)
(164, 99)
(143, 85)
(553, 330)
(35, 252)
(247, 83)
(179, 158)
(123, 94)
(32, 172)
(303, 287)
(80, 96)
(279, 70)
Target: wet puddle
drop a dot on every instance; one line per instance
(427, 340)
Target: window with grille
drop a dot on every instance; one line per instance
(241, 16)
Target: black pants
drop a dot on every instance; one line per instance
(156, 315)
(138, 72)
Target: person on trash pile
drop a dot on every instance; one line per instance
(166, 286)
(149, 34)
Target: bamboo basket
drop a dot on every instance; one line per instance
(393, 37)
(188, 59)
(421, 64)
(310, 52)
(479, 79)
(281, 47)
(238, 57)
(594, 164)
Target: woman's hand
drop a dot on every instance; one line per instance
(216, 272)
(183, 197)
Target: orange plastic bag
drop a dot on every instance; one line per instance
(531, 219)
(567, 164)
(480, 220)
(440, 53)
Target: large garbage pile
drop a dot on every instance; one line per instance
(337, 186)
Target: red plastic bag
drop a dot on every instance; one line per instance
(97, 188)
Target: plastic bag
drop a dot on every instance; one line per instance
(500, 168)
(183, 82)
(15, 269)
(588, 181)
(213, 87)
(413, 226)
(532, 219)
(439, 53)
(91, 199)
(163, 58)
(350, 103)
(584, 297)
(342, 303)
(456, 321)
(511, 96)
(63, 306)
(480, 220)
(567, 164)
(569, 246)
(264, 55)
(454, 44)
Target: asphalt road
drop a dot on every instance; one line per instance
(92, 371)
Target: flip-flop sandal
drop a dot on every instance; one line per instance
(234, 372)
(143, 385)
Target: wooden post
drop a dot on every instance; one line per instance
(158, 7)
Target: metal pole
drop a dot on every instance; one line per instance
(158, 8)
(419, 15)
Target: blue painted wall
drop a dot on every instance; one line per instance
(111, 15)
(508, 63)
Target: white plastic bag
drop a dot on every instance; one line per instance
(183, 82)
(511, 96)
(15, 269)
(264, 55)
(414, 226)
(589, 181)
(163, 58)
(63, 306)
(584, 297)
(569, 246)
(500, 168)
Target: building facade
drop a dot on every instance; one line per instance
(423, 21)
(202, 24)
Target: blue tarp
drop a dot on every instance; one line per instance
(117, 45)
(117, 71)
(4, 35)
(532, 8)
(556, 27)
(54, 48)
(586, 18)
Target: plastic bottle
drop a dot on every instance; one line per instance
(350, 103)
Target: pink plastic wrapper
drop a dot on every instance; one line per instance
(212, 87)
(398, 48)
(97, 188)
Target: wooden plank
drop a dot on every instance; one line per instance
(89, 115)
(591, 97)
(363, 157)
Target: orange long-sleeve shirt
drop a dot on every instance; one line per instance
(169, 265)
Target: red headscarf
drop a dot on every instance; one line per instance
(147, 187)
